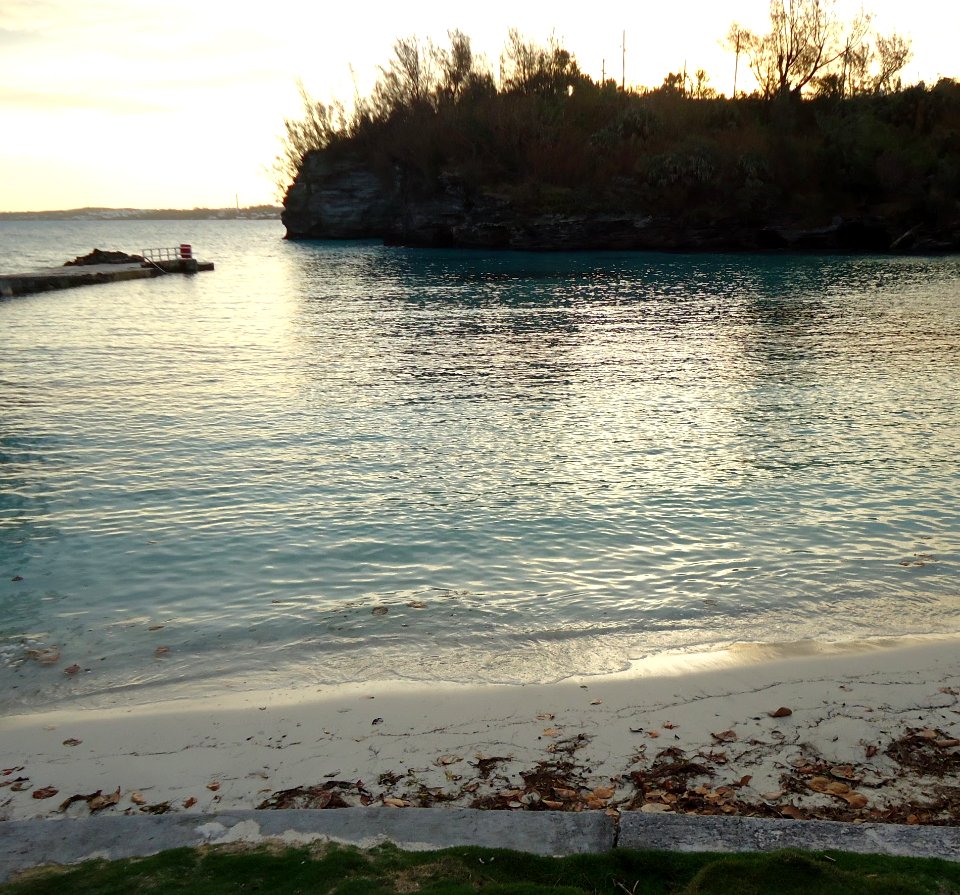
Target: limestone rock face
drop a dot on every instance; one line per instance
(344, 199)
(337, 200)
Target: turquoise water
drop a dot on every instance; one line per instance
(564, 462)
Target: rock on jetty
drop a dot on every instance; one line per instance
(99, 256)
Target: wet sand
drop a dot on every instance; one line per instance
(867, 732)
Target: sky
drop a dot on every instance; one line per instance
(135, 103)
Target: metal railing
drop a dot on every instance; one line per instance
(165, 254)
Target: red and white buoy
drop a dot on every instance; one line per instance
(186, 250)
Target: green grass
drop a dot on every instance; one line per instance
(348, 871)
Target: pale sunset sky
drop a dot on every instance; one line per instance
(130, 103)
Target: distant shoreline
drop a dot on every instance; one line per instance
(252, 213)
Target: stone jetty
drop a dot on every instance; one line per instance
(97, 267)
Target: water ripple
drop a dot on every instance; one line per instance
(536, 464)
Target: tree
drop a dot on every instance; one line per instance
(893, 54)
(854, 58)
(683, 85)
(808, 45)
(409, 78)
(529, 69)
(804, 39)
(736, 40)
(674, 84)
(321, 125)
(864, 68)
(699, 88)
(456, 65)
(460, 70)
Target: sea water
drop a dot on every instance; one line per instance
(341, 461)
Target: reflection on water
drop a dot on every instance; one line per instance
(538, 464)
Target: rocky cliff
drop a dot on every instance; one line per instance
(339, 199)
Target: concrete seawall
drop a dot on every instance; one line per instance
(90, 275)
(30, 843)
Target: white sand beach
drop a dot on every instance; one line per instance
(867, 731)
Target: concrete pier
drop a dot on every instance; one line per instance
(92, 274)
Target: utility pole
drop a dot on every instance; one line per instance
(603, 72)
